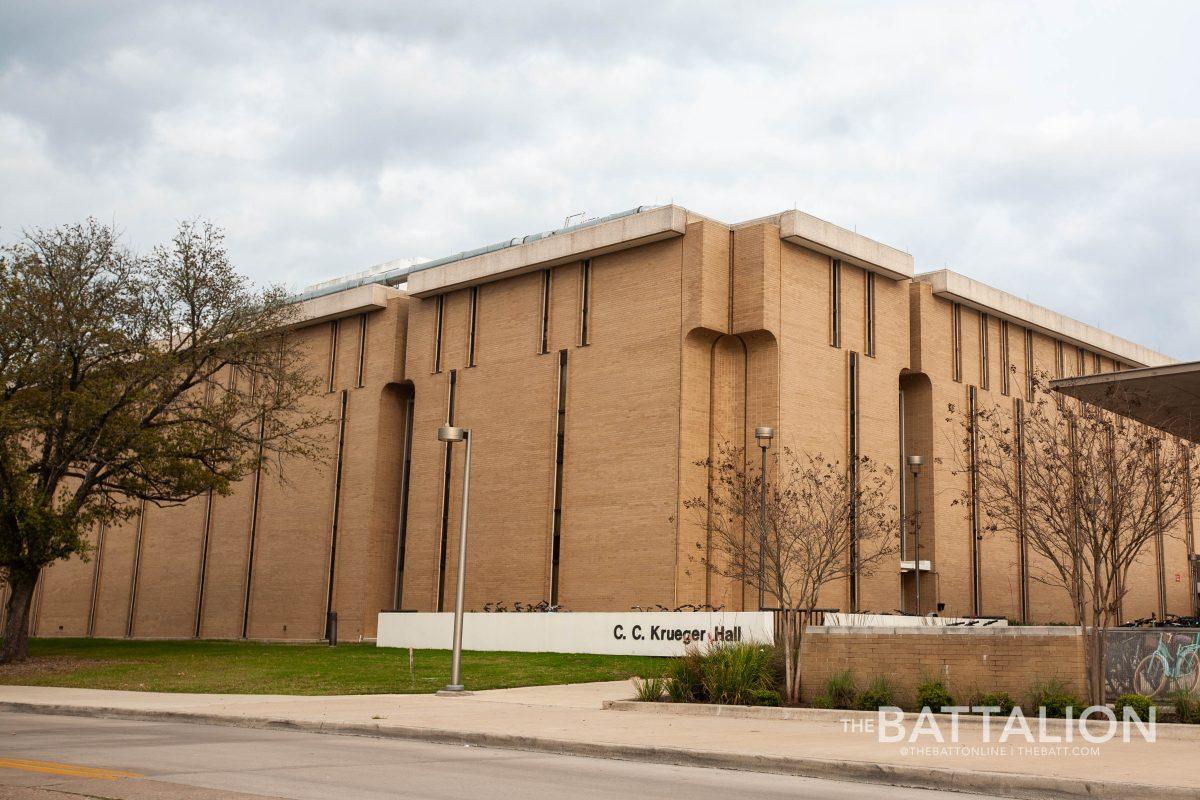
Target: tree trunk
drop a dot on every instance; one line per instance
(22, 583)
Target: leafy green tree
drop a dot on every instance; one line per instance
(127, 378)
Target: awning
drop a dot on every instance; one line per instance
(1167, 398)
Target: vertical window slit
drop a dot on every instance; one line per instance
(1022, 543)
(333, 346)
(255, 497)
(853, 414)
(97, 573)
(339, 466)
(439, 314)
(956, 339)
(1005, 358)
(559, 459)
(137, 567)
(585, 302)
(471, 325)
(362, 349)
(1029, 371)
(448, 463)
(870, 315)
(985, 367)
(835, 303)
(200, 579)
(405, 480)
(1059, 366)
(544, 333)
(976, 582)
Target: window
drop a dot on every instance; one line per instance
(333, 346)
(1005, 358)
(1029, 371)
(956, 339)
(835, 303)
(985, 369)
(544, 340)
(870, 338)
(852, 403)
(976, 582)
(1059, 365)
(1080, 361)
(1097, 366)
(439, 312)
(471, 324)
(585, 302)
(362, 349)
(447, 464)
(560, 444)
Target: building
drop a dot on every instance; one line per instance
(595, 365)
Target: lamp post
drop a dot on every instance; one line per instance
(764, 434)
(451, 434)
(914, 465)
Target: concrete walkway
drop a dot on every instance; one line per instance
(570, 719)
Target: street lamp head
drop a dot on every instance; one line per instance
(915, 462)
(450, 433)
(764, 434)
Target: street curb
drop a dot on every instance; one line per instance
(1023, 786)
(1165, 731)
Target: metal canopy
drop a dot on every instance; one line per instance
(1167, 398)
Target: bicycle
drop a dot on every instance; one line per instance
(1156, 670)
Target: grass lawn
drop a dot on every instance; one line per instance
(254, 668)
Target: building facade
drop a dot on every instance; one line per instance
(595, 367)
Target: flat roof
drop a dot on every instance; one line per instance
(608, 234)
(1165, 397)
(969, 292)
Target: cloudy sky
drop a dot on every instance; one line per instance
(1050, 149)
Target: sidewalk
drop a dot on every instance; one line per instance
(570, 719)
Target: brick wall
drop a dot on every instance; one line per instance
(967, 660)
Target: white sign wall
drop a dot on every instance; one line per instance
(648, 633)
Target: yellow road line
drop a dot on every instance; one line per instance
(69, 770)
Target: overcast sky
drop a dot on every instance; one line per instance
(1049, 149)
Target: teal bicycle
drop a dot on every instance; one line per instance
(1160, 668)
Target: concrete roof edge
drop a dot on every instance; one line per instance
(953, 286)
(1163, 371)
(609, 236)
(845, 245)
(346, 303)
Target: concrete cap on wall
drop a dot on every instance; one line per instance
(360, 299)
(586, 242)
(958, 288)
(845, 245)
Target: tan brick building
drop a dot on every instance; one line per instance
(594, 366)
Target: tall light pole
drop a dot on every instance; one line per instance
(451, 434)
(914, 465)
(764, 435)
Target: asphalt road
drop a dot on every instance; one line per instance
(57, 757)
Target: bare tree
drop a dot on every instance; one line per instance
(127, 378)
(823, 521)
(1085, 490)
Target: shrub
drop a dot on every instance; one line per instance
(1140, 704)
(1055, 698)
(840, 691)
(649, 690)
(766, 697)
(685, 678)
(996, 699)
(733, 674)
(877, 695)
(1187, 706)
(933, 695)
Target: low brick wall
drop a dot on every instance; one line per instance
(967, 660)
